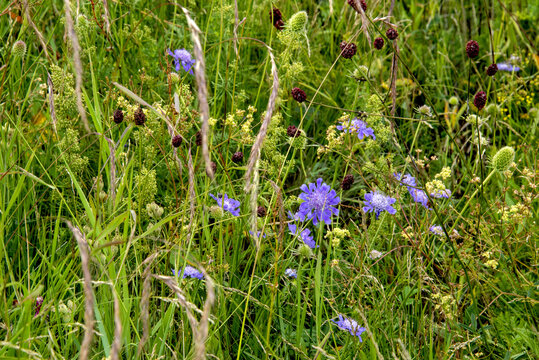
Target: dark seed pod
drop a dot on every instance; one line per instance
(261, 211)
(213, 166)
(277, 18)
(348, 50)
(118, 116)
(472, 49)
(299, 95)
(492, 70)
(363, 4)
(140, 117)
(347, 182)
(176, 141)
(480, 100)
(198, 138)
(293, 131)
(392, 34)
(379, 43)
(237, 157)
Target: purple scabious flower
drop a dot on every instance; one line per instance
(257, 234)
(436, 230)
(319, 201)
(507, 67)
(446, 193)
(304, 235)
(378, 202)
(183, 57)
(291, 273)
(227, 204)
(357, 126)
(419, 196)
(407, 179)
(190, 272)
(350, 325)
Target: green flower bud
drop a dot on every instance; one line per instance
(174, 78)
(19, 49)
(305, 251)
(297, 22)
(453, 100)
(216, 212)
(503, 159)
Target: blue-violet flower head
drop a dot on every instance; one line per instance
(350, 325)
(319, 201)
(436, 230)
(190, 272)
(227, 204)
(291, 273)
(378, 202)
(357, 126)
(183, 57)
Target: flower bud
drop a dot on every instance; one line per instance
(19, 49)
(503, 159)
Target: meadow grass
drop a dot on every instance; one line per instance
(117, 240)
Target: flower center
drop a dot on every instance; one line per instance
(379, 201)
(318, 200)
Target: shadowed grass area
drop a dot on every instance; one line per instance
(366, 201)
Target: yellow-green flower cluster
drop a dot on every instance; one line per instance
(337, 235)
(335, 139)
(515, 213)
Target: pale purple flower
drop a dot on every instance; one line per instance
(419, 196)
(183, 57)
(258, 234)
(407, 179)
(304, 235)
(378, 202)
(291, 273)
(357, 126)
(319, 201)
(446, 193)
(190, 272)
(507, 67)
(436, 230)
(350, 325)
(227, 204)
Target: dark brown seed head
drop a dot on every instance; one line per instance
(261, 211)
(480, 100)
(118, 116)
(379, 43)
(363, 4)
(492, 70)
(237, 157)
(293, 131)
(198, 138)
(213, 166)
(277, 18)
(348, 50)
(299, 95)
(140, 117)
(347, 182)
(472, 49)
(392, 34)
(176, 141)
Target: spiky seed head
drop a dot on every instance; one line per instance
(480, 99)
(503, 159)
(174, 78)
(261, 211)
(363, 4)
(472, 49)
(392, 34)
(198, 138)
(176, 141)
(293, 131)
(305, 251)
(348, 50)
(347, 182)
(492, 70)
(139, 116)
(298, 95)
(298, 22)
(237, 157)
(19, 49)
(378, 43)
(424, 110)
(118, 116)
(213, 166)
(277, 18)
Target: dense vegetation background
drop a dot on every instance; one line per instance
(117, 241)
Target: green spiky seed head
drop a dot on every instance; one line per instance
(503, 158)
(19, 49)
(298, 21)
(305, 251)
(174, 78)
(453, 100)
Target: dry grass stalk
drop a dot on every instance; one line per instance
(280, 206)
(255, 152)
(192, 195)
(200, 77)
(117, 342)
(145, 302)
(51, 103)
(88, 295)
(394, 65)
(368, 331)
(203, 325)
(107, 15)
(38, 33)
(77, 62)
(364, 21)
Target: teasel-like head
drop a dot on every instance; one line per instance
(19, 49)
(503, 159)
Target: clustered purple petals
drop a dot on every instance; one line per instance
(304, 235)
(436, 230)
(350, 325)
(319, 201)
(228, 204)
(190, 272)
(446, 193)
(507, 67)
(291, 273)
(183, 57)
(418, 195)
(378, 202)
(258, 234)
(357, 126)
